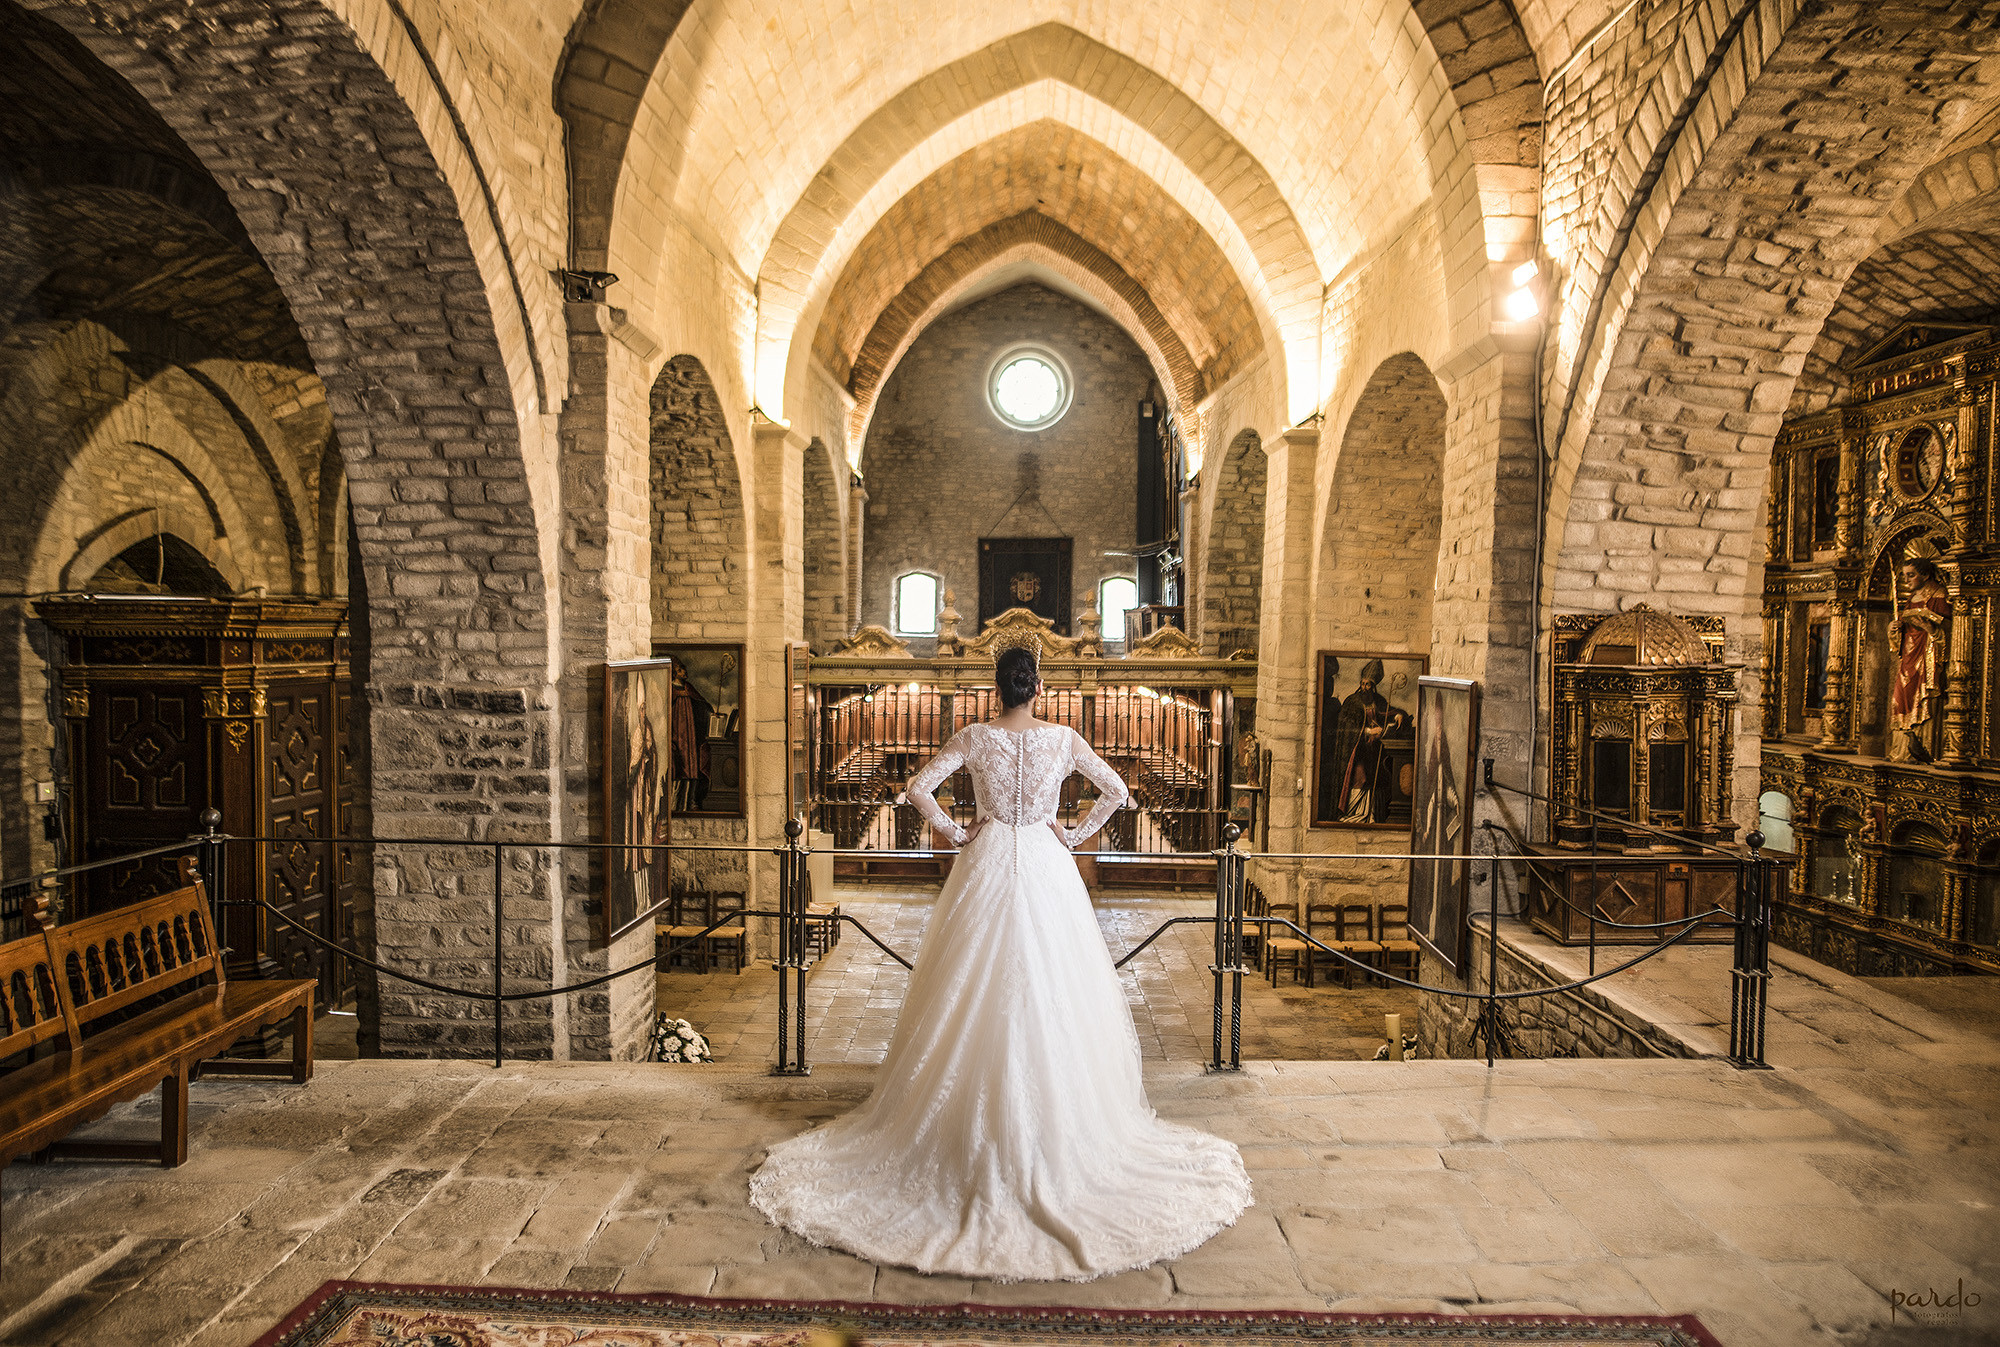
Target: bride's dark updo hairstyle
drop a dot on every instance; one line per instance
(1015, 674)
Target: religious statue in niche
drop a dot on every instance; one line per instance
(1366, 739)
(1917, 691)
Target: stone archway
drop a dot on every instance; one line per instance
(1233, 568)
(357, 226)
(700, 575)
(1378, 556)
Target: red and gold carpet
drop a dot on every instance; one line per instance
(364, 1314)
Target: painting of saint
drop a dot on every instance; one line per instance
(1366, 739)
(1917, 688)
(1448, 720)
(638, 737)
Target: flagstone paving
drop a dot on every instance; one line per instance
(1783, 1206)
(855, 993)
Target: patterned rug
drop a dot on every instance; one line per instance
(364, 1314)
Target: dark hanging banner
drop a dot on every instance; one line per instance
(1031, 573)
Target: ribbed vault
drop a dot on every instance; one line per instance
(1046, 245)
(1094, 207)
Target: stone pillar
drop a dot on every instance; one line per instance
(1483, 618)
(777, 619)
(606, 615)
(1284, 666)
(857, 513)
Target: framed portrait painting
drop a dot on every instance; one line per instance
(706, 745)
(638, 786)
(1364, 741)
(1447, 744)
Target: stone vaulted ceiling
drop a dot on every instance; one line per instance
(1211, 169)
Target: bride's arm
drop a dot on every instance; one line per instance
(928, 778)
(1111, 791)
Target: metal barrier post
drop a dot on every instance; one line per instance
(499, 852)
(210, 861)
(791, 964)
(1229, 864)
(1751, 976)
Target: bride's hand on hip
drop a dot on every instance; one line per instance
(978, 826)
(1057, 829)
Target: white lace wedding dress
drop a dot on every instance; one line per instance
(1009, 1137)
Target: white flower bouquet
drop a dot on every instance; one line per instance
(678, 1041)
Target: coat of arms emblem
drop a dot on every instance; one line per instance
(1025, 585)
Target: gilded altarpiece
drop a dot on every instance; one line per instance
(173, 706)
(1881, 756)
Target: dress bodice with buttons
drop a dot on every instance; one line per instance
(1017, 778)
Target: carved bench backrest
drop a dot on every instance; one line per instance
(32, 1007)
(109, 961)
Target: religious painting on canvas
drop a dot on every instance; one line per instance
(1365, 738)
(638, 782)
(707, 741)
(1447, 743)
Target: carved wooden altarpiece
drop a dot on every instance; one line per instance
(1893, 812)
(171, 706)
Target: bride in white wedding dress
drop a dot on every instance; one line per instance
(1008, 1137)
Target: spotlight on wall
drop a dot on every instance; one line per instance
(1522, 305)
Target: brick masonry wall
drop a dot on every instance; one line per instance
(1379, 553)
(944, 471)
(701, 587)
(1232, 569)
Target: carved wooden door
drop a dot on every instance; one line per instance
(145, 774)
(302, 803)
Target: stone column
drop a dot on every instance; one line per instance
(777, 619)
(857, 513)
(1483, 620)
(605, 555)
(1284, 666)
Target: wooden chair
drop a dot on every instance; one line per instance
(1282, 947)
(1254, 905)
(1354, 935)
(686, 915)
(731, 941)
(1321, 919)
(1392, 929)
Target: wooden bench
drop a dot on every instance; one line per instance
(57, 983)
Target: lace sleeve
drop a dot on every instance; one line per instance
(1111, 791)
(928, 778)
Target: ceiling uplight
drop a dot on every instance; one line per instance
(1526, 272)
(1521, 306)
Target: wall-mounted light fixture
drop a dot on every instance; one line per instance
(1521, 305)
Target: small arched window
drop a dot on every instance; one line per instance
(916, 604)
(1774, 820)
(1114, 596)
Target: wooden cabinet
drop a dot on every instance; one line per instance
(173, 706)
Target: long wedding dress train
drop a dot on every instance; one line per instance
(1008, 1137)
